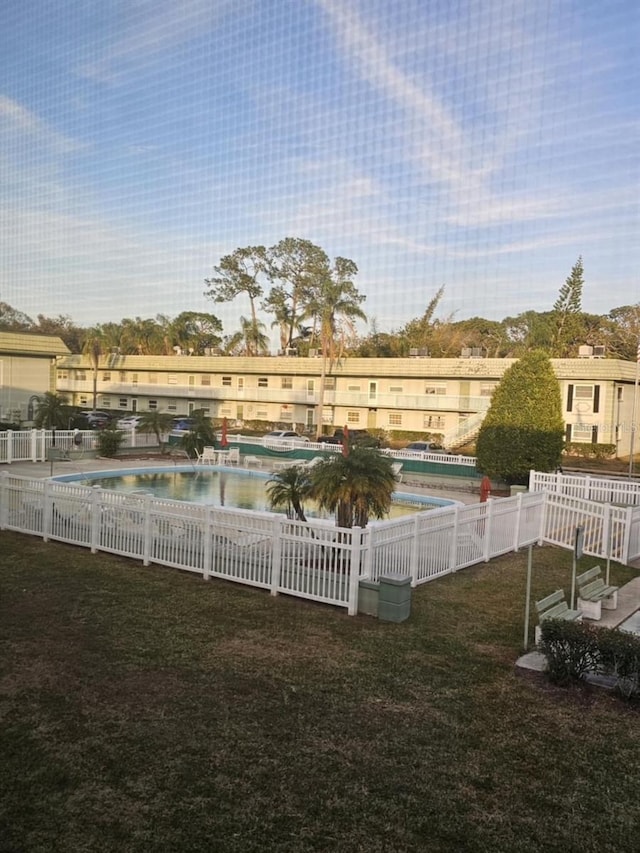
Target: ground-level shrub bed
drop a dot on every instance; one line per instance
(146, 710)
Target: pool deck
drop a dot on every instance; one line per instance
(412, 484)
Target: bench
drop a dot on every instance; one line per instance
(594, 594)
(58, 454)
(554, 606)
(252, 460)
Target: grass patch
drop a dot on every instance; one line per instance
(145, 710)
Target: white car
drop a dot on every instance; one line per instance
(130, 422)
(284, 435)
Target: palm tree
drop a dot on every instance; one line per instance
(288, 489)
(156, 422)
(52, 411)
(93, 347)
(334, 303)
(354, 486)
(202, 433)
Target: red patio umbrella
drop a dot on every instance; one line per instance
(224, 441)
(485, 489)
(345, 441)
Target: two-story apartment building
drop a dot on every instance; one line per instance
(27, 370)
(442, 396)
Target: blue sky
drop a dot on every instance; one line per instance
(482, 145)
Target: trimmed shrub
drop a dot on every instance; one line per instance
(571, 649)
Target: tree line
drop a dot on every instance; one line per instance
(314, 303)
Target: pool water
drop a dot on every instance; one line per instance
(221, 487)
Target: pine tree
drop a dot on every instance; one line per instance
(567, 311)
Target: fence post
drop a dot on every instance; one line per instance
(9, 446)
(276, 554)
(47, 511)
(624, 557)
(413, 566)
(96, 517)
(4, 500)
(207, 551)
(516, 533)
(453, 547)
(354, 569)
(486, 529)
(146, 547)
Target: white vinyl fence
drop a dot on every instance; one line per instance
(32, 445)
(314, 559)
(614, 490)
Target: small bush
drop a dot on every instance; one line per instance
(109, 441)
(574, 649)
(571, 649)
(590, 451)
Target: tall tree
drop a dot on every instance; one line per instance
(195, 331)
(93, 347)
(523, 428)
(12, 320)
(566, 314)
(355, 486)
(237, 274)
(64, 328)
(295, 264)
(334, 304)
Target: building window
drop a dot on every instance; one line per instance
(123, 376)
(353, 417)
(582, 432)
(263, 381)
(106, 376)
(287, 383)
(172, 379)
(395, 418)
(153, 379)
(123, 402)
(286, 415)
(487, 389)
(395, 389)
(583, 398)
(205, 379)
(226, 382)
(83, 400)
(330, 383)
(63, 374)
(134, 378)
(261, 415)
(433, 422)
(355, 388)
(81, 375)
(153, 405)
(435, 389)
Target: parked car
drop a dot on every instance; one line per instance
(129, 422)
(356, 436)
(95, 420)
(284, 434)
(182, 424)
(423, 447)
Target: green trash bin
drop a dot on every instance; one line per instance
(394, 599)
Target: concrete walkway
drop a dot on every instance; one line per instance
(628, 609)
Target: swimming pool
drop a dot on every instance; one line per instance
(219, 486)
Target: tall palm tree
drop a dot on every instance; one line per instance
(52, 411)
(355, 486)
(289, 489)
(156, 422)
(93, 347)
(334, 300)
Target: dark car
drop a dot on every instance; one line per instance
(356, 436)
(423, 447)
(92, 420)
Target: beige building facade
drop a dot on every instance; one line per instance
(437, 397)
(27, 370)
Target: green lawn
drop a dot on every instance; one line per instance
(143, 709)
